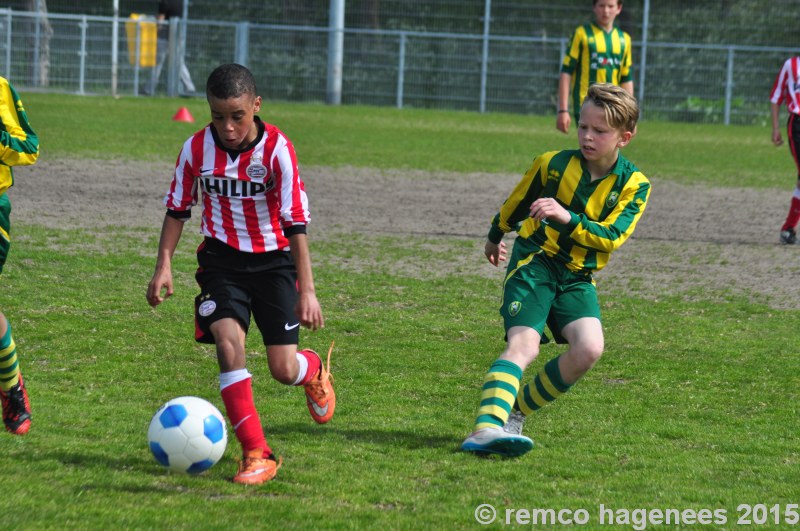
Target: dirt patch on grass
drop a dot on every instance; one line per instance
(695, 241)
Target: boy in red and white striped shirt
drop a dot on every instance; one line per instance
(787, 88)
(254, 257)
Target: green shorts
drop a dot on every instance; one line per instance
(541, 291)
(5, 228)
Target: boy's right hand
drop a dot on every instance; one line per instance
(162, 279)
(495, 252)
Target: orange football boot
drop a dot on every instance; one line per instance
(319, 392)
(255, 469)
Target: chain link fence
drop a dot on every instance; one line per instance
(709, 61)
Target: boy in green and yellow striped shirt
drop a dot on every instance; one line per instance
(570, 211)
(19, 145)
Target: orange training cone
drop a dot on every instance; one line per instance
(183, 115)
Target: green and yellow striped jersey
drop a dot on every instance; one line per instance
(604, 212)
(594, 56)
(19, 144)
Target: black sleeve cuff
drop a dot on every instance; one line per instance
(495, 235)
(291, 230)
(182, 215)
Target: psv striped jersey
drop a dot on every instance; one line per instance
(594, 56)
(787, 85)
(19, 144)
(604, 212)
(252, 200)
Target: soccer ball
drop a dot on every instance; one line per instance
(188, 435)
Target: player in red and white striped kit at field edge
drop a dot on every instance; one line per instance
(787, 88)
(254, 258)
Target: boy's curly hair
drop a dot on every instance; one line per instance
(230, 81)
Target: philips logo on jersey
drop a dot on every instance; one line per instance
(604, 61)
(235, 187)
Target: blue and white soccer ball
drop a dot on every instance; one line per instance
(187, 434)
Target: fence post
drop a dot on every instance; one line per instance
(335, 52)
(8, 45)
(487, 18)
(173, 61)
(37, 36)
(729, 86)
(401, 70)
(242, 43)
(84, 24)
(643, 63)
(115, 50)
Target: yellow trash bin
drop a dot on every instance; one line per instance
(147, 28)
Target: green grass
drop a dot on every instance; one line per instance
(693, 406)
(379, 137)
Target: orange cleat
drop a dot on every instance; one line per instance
(16, 409)
(319, 392)
(254, 469)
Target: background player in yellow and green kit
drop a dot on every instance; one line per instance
(570, 211)
(19, 145)
(598, 52)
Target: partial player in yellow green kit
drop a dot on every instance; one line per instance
(570, 211)
(19, 145)
(598, 52)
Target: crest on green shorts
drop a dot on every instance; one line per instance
(612, 199)
(514, 308)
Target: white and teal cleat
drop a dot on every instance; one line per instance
(497, 441)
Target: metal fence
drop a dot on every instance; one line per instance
(482, 72)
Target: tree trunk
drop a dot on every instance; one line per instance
(42, 34)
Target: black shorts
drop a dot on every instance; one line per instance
(234, 284)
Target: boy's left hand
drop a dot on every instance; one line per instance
(550, 209)
(309, 311)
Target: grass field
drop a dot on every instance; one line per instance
(693, 407)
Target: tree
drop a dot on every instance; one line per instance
(42, 34)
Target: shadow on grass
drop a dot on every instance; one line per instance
(408, 439)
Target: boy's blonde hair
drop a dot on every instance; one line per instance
(621, 109)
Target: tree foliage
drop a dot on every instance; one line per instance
(742, 22)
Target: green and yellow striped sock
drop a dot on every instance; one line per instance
(499, 391)
(543, 389)
(9, 365)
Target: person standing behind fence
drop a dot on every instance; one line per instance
(19, 146)
(166, 10)
(598, 52)
(787, 88)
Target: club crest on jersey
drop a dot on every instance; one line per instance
(514, 308)
(612, 199)
(207, 308)
(256, 170)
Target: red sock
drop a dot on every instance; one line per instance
(794, 215)
(314, 363)
(238, 400)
